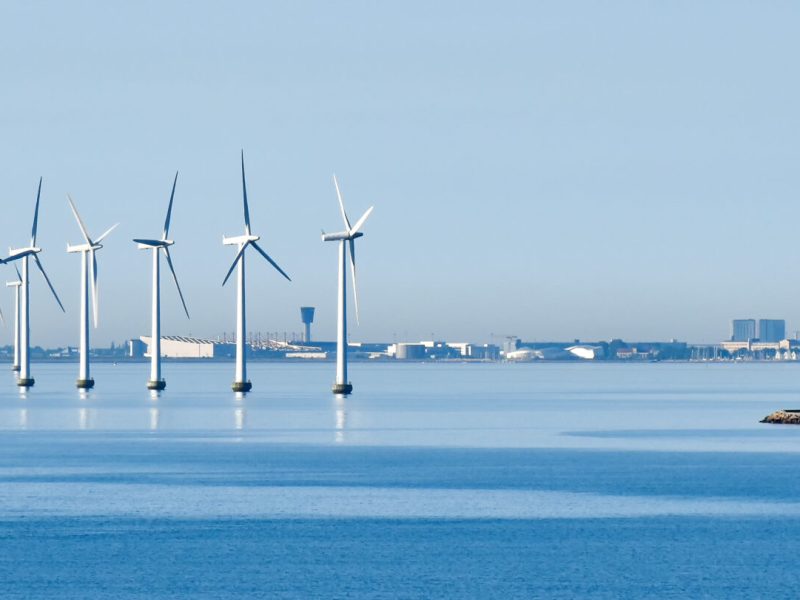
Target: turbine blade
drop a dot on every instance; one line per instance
(244, 197)
(362, 220)
(148, 242)
(353, 271)
(93, 267)
(341, 204)
(235, 261)
(175, 279)
(36, 214)
(79, 220)
(19, 276)
(2, 318)
(169, 208)
(109, 230)
(272, 262)
(47, 279)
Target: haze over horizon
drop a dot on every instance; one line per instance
(572, 170)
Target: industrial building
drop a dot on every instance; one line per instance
(174, 346)
(405, 351)
(439, 350)
(517, 350)
(587, 352)
(582, 351)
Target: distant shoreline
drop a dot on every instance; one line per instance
(332, 360)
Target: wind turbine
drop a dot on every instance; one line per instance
(156, 382)
(88, 266)
(240, 382)
(25, 254)
(16, 285)
(345, 238)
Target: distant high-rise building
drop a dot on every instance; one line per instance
(743, 330)
(771, 330)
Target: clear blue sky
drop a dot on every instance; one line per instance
(550, 170)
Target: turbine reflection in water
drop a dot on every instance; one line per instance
(239, 418)
(341, 417)
(83, 418)
(155, 416)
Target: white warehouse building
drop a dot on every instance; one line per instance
(174, 346)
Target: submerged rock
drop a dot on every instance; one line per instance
(787, 417)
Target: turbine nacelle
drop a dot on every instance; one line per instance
(240, 239)
(21, 253)
(150, 244)
(83, 247)
(342, 235)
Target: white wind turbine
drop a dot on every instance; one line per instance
(240, 382)
(156, 382)
(345, 238)
(88, 267)
(25, 254)
(17, 284)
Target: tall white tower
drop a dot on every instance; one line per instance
(156, 382)
(242, 242)
(346, 239)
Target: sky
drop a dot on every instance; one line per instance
(550, 170)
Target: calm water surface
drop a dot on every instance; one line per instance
(430, 481)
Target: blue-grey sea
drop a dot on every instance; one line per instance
(547, 480)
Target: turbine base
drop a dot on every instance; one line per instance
(241, 386)
(342, 388)
(84, 384)
(26, 382)
(156, 385)
(15, 368)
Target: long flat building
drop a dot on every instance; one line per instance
(176, 346)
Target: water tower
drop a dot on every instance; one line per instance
(307, 316)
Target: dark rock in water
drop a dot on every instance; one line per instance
(786, 417)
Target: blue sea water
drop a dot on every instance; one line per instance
(550, 480)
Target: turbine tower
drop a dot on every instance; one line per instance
(17, 284)
(156, 382)
(341, 385)
(240, 382)
(88, 252)
(25, 254)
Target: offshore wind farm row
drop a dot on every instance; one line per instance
(88, 249)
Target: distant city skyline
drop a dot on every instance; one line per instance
(548, 171)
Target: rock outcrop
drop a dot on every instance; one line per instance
(786, 417)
